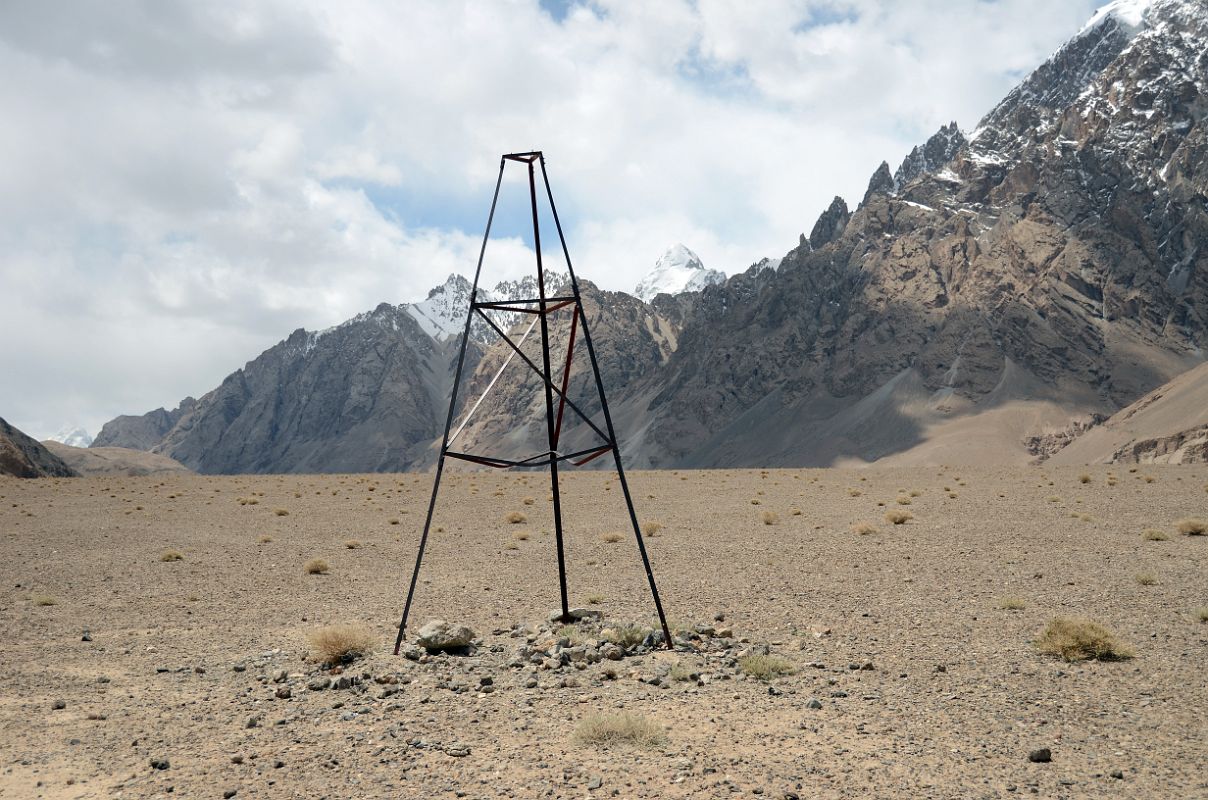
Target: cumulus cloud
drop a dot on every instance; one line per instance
(182, 184)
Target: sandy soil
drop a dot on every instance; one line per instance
(183, 654)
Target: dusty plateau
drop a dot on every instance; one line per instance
(126, 675)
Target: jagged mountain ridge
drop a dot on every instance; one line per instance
(22, 456)
(1047, 267)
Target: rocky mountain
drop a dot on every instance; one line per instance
(1000, 291)
(21, 456)
(1054, 266)
(678, 270)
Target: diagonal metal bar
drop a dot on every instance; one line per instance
(540, 373)
(570, 352)
(535, 300)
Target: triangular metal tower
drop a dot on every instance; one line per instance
(556, 400)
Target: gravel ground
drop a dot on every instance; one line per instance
(192, 677)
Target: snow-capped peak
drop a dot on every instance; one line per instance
(678, 270)
(1129, 13)
(443, 313)
(73, 436)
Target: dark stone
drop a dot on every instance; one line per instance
(1041, 756)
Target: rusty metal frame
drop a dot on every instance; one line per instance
(542, 306)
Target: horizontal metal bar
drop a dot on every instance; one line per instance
(538, 300)
(592, 454)
(498, 463)
(503, 307)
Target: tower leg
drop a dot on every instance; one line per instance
(419, 557)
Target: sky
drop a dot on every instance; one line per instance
(183, 184)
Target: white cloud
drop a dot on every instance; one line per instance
(185, 183)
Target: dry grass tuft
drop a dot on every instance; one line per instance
(899, 517)
(1146, 578)
(595, 599)
(1192, 527)
(1080, 639)
(264, 539)
(864, 528)
(1201, 614)
(611, 538)
(854, 492)
(44, 600)
(626, 729)
(769, 518)
(171, 555)
(528, 501)
(1084, 478)
(516, 518)
(521, 536)
(628, 635)
(352, 544)
(766, 667)
(651, 528)
(1012, 604)
(682, 672)
(393, 520)
(1154, 535)
(340, 644)
(903, 500)
(316, 566)
(280, 512)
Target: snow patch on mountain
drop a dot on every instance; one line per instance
(678, 270)
(443, 313)
(72, 436)
(1129, 13)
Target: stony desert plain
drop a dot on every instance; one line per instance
(127, 675)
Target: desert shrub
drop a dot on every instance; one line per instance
(171, 555)
(681, 672)
(340, 644)
(651, 528)
(611, 538)
(516, 518)
(1202, 614)
(1154, 535)
(1149, 479)
(627, 729)
(528, 501)
(916, 493)
(44, 600)
(393, 520)
(1146, 578)
(627, 635)
(854, 492)
(1012, 604)
(903, 500)
(864, 528)
(769, 518)
(899, 517)
(766, 667)
(521, 536)
(755, 501)
(280, 512)
(352, 544)
(316, 566)
(264, 539)
(1084, 478)
(1192, 527)
(595, 599)
(1080, 639)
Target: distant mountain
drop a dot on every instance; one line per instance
(21, 456)
(72, 435)
(96, 461)
(678, 270)
(991, 298)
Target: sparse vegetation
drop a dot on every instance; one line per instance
(393, 520)
(316, 566)
(264, 539)
(340, 644)
(352, 544)
(516, 518)
(682, 672)
(1012, 604)
(1080, 639)
(611, 538)
(627, 635)
(899, 517)
(626, 729)
(1084, 478)
(171, 555)
(1146, 578)
(281, 512)
(864, 528)
(1154, 535)
(769, 518)
(44, 600)
(1201, 614)
(595, 599)
(651, 528)
(528, 501)
(766, 667)
(521, 536)
(903, 500)
(854, 492)
(1191, 527)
